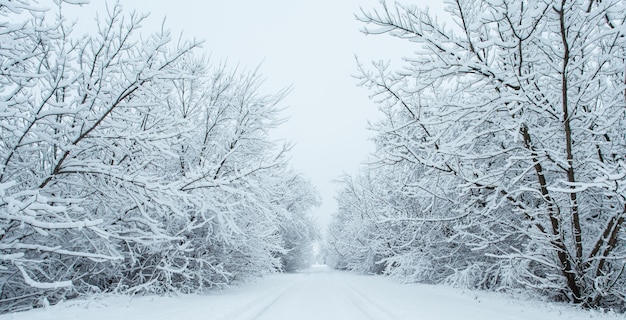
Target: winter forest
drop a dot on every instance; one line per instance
(132, 163)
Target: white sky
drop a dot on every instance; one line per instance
(308, 44)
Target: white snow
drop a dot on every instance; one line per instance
(317, 293)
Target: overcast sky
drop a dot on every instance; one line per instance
(310, 45)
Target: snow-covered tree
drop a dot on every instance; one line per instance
(296, 198)
(236, 174)
(81, 147)
(130, 164)
(350, 242)
(511, 124)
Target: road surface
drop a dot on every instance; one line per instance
(318, 293)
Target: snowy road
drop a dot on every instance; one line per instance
(318, 293)
(322, 294)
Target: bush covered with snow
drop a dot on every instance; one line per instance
(500, 153)
(129, 163)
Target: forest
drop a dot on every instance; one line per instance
(132, 163)
(499, 160)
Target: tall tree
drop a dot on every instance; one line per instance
(513, 121)
(81, 140)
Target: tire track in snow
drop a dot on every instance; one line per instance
(270, 304)
(339, 299)
(368, 306)
(256, 307)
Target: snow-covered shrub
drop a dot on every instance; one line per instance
(129, 164)
(506, 133)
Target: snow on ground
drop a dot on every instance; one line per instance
(317, 293)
